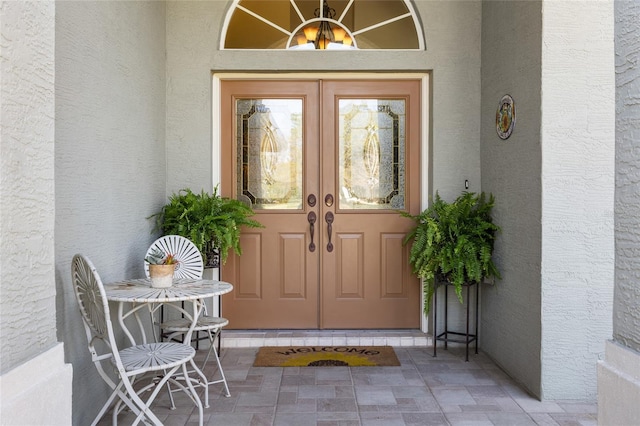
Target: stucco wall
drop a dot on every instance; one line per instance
(510, 325)
(553, 180)
(452, 34)
(626, 315)
(27, 289)
(110, 156)
(619, 372)
(35, 382)
(578, 143)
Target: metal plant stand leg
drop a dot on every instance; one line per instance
(445, 335)
(467, 336)
(446, 317)
(477, 301)
(435, 319)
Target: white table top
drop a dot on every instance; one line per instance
(140, 290)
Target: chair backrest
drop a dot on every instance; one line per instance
(94, 308)
(190, 264)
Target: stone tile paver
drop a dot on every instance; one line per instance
(424, 390)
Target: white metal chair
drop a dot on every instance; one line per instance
(190, 265)
(163, 359)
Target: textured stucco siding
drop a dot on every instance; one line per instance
(619, 372)
(110, 156)
(452, 34)
(510, 325)
(27, 287)
(578, 143)
(626, 312)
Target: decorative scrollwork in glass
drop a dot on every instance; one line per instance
(375, 129)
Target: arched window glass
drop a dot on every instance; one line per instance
(322, 24)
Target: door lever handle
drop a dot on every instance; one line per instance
(311, 217)
(329, 219)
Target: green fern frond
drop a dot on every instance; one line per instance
(453, 240)
(208, 220)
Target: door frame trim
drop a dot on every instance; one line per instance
(425, 124)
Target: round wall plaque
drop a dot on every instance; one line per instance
(505, 117)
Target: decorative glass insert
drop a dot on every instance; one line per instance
(270, 152)
(371, 149)
(322, 24)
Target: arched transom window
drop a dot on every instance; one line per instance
(322, 24)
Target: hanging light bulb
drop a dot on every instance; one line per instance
(310, 33)
(338, 34)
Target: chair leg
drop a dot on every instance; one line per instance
(173, 403)
(185, 372)
(212, 348)
(106, 406)
(117, 407)
(135, 404)
(223, 380)
(145, 406)
(203, 378)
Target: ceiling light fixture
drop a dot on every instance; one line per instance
(319, 33)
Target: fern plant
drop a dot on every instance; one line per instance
(208, 220)
(453, 242)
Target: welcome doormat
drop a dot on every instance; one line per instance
(326, 356)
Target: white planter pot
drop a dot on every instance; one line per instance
(161, 275)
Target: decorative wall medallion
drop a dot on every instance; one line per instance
(505, 117)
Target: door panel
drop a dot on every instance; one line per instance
(392, 265)
(248, 284)
(325, 165)
(349, 272)
(269, 159)
(370, 151)
(292, 254)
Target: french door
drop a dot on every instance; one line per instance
(326, 165)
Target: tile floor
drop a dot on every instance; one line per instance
(424, 390)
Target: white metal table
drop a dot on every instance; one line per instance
(137, 294)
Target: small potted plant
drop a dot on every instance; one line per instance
(452, 243)
(212, 222)
(161, 268)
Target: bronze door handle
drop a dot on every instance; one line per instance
(311, 217)
(329, 219)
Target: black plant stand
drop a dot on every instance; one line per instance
(466, 337)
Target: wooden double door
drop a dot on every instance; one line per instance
(326, 166)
